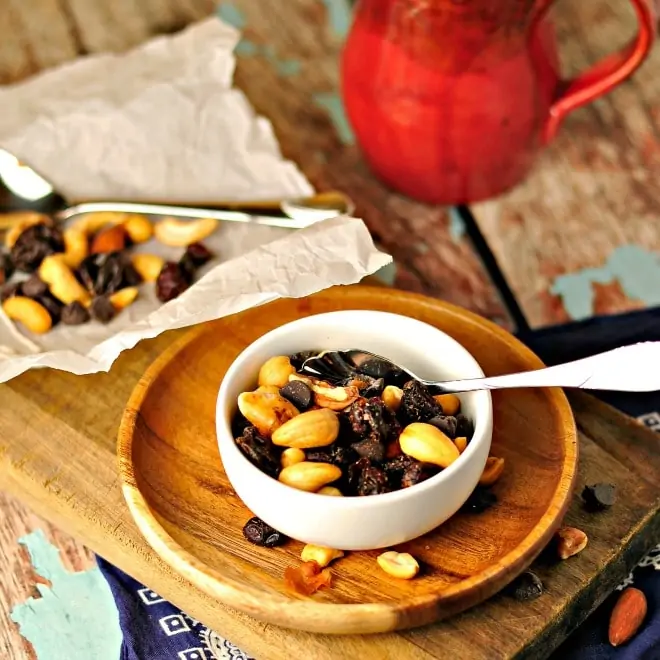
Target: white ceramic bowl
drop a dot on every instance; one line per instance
(375, 521)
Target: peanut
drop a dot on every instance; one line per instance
(314, 428)
(19, 221)
(181, 233)
(90, 223)
(570, 541)
(392, 397)
(291, 456)
(30, 313)
(148, 266)
(428, 444)
(398, 564)
(124, 297)
(112, 239)
(450, 403)
(61, 281)
(138, 227)
(492, 472)
(461, 444)
(322, 556)
(309, 476)
(330, 491)
(266, 410)
(276, 371)
(76, 247)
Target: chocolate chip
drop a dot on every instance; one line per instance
(598, 497)
(75, 314)
(445, 423)
(34, 287)
(52, 305)
(299, 393)
(260, 533)
(102, 309)
(526, 587)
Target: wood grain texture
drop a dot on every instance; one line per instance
(580, 236)
(185, 506)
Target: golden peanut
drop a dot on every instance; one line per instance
(17, 222)
(450, 403)
(61, 281)
(148, 266)
(181, 233)
(392, 397)
(398, 564)
(492, 472)
(76, 247)
(266, 410)
(309, 476)
(322, 556)
(91, 223)
(330, 491)
(291, 456)
(570, 541)
(428, 444)
(138, 227)
(276, 371)
(30, 313)
(461, 444)
(314, 428)
(124, 297)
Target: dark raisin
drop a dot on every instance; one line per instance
(446, 423)
(11, 290)
(299, 393)
(417, 404)
(297, 359)
(464, 427)
(398, 464)
(372, 481)
(171, 282)
(599, 497)
(353, 474)
(479, 501)
(337, 455)
(238, 424)
(370, 448)
(52, 305)
(526, 587)
(34, 287)
(375, 388)
(372, 419)
(131, 276)
(260, 533)
(260, 451)
(34, 245)
(6, 268)
(75, 314)
(416, 473)
(404, 471)
(102, 309)
(110, 275)
(195, 256)
(89, 269)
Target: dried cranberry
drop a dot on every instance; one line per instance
(75, 314)
(102, 309)
(34, 245)
(11, 290)
(171, 282)
(34, 287)
(417, 404)
(299, 393)
(195, 256)
(464, 427)
(260, 451)
(260, 533)
(446, 423)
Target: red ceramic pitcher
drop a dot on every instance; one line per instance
(450, 100)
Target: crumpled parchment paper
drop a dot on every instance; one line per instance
(162, 122)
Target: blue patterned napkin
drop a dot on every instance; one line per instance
(156, 630)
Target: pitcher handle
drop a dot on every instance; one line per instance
(603, 76)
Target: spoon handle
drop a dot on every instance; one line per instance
(182, 212)
(634, 368)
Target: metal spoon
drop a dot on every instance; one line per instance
(21, 188)
(634, 368)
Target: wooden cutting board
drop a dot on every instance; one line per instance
(57, 453)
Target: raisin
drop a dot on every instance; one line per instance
(299, 393)
(260, 533)
(464, 427)
(374, 389)
(370, 448)
(479, 501)
(34, 287)
(446, 423)
(171, 282)
(372, 481)
(260, 451)
(102, 309)
(110, 276)
(526, 587)
(353, 474)
(417, 404)
(53, 306)
(599, 497)
(6, 268)
(75, 314)
(337, 455)
(238, 424)
(11, 290)
(372, 419)
(404, 471)
(34, 245)
(195, 256)
(297, 359)
(415, 474)
(131, 276)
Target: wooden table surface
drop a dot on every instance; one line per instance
(579, 237)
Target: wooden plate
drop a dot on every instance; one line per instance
(182, 502)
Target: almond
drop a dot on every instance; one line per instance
(627, 616)
(315, 428)
(266, 409)
(492, 472)
(112, 239)
(570, 541)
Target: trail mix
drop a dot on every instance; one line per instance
(375, 432)
(86, 271)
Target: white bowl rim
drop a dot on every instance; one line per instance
(481, 424)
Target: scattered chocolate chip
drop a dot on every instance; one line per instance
(34, 287)
(526, 587)
(258, 532)
(102, 309)
(599, 496)
(75, 314)
(445, 423)
(171, 282)
(299, 393)
(34, 245)
(479, 501)
(260, 451)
